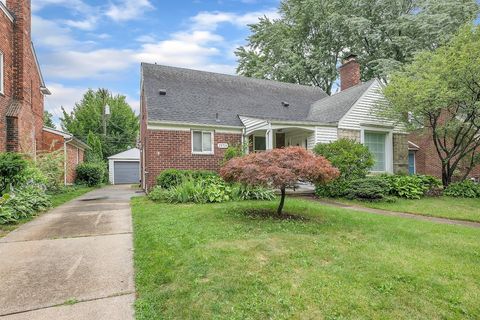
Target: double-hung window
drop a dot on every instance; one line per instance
(202, 142)
(376, 143)
(2, 72)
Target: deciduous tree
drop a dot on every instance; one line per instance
(279, 168)
(440, 91)
(306, 43)
(88, 116)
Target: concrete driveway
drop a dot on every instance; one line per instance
(74, 262)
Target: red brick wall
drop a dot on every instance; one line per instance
(173, 149)
(75, 156)
(22, 79)
(6, 47)
(427, 160)
(349, 74)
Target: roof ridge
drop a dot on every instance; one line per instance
(236, 76)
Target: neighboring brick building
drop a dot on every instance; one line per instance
(21, 84)
(424, 159)
(72, 149)
(189, 117)
(22, 92)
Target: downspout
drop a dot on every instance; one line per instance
(65, 160)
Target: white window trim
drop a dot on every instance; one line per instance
(388, 146)
(213, 143)
(2, 73)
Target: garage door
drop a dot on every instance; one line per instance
(126, 172)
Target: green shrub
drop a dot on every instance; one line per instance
(354, 161)
(372, 188)
(336, 189)
(235, 151)
(22, 203)
(241, 192)
(11, 167)
(409, 187)
(90, 174)
(173, 177)
(52, 166)
(209, 189)
(464, 189)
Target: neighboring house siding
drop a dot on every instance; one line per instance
(363, 111)
(167, 149)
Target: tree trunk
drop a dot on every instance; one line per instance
(282, 201)
(446, 176)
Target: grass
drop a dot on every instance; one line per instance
(214, 262)
(56, 199)
(442, 207)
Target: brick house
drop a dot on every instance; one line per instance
(424, 159)
(189, 117)
(72, 149)
(22, 88)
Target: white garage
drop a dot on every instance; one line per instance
(124, 168)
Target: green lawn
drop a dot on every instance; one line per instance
(57, 199)
(214, 262)
(443, 207)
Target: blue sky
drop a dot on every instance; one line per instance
(85, 44)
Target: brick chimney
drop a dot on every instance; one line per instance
(349, 72)
(22, 38)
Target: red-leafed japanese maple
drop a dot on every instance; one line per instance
(279, 168)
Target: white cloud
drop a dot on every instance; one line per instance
(71, 64)
(49, 34)
(87, 24)
(146, 38)
(128, 9)
(62, 97)
(211, 20)
(76, 5)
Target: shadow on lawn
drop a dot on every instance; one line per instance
(264, 213)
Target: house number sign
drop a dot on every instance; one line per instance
(222, 145)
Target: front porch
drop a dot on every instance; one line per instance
(267, 139)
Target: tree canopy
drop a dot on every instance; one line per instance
(279, 168)
(306, 44)
(87, 117)
(440, 92)
(48, 120)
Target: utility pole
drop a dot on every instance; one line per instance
(105, 110)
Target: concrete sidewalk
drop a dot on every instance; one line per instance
(332, 203)
(74, 262)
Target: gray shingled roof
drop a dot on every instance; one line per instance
(197, 96)
(333, 108)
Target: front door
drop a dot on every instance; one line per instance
(280, 140)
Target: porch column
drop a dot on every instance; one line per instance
(269, 139)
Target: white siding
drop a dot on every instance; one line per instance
(326, 134)
(363, 111)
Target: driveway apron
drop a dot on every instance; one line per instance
(74, 262)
